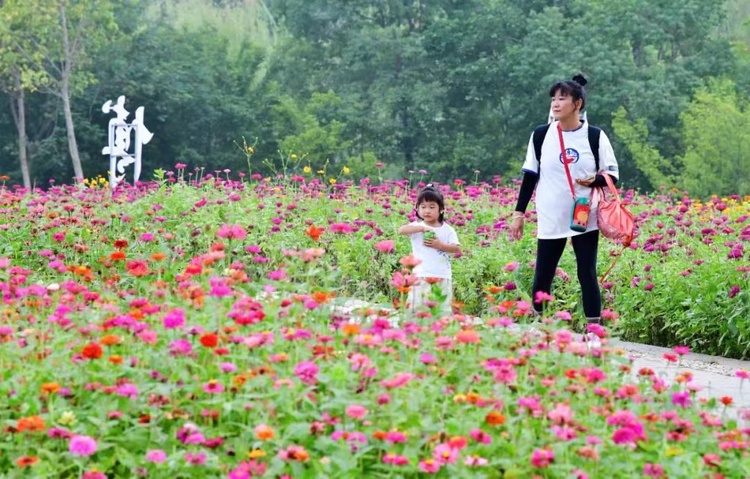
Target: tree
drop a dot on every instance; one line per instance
(17, 75)
(716, 132)
(57, 47)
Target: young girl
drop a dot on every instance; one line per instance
(433, 252)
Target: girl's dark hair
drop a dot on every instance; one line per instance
(573, 88)
(430, 193)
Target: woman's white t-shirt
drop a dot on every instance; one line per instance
(435, 263)
(554, 201)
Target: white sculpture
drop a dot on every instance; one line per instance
(119, 141)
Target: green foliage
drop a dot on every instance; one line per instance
(450, 87)
(716, 129)
(634, 137)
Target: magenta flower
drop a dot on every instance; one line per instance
(307, 371)
(82, 446)
(681, 399)
(542, 458)
(681, 350)
(734, 291)
(156, 456)
(174, 319)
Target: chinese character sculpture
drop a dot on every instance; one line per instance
(119, 141)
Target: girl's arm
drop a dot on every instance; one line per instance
(448, 248)
(413, 228)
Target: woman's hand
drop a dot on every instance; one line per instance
(516, 228)
(586, 181)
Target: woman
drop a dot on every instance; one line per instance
(555, 201)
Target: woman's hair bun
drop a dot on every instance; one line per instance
(580, 79)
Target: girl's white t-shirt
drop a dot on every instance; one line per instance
(435, 264)
(554, 201)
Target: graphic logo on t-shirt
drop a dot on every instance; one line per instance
(571, 155)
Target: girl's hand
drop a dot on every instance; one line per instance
(433, 243)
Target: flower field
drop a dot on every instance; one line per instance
(200, 329)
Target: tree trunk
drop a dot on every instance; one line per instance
(21, 127)
(65, 93)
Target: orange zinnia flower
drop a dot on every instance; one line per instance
(50, 388)
(314, 232)
(350, 329)
(110, 340)
(115, 359)
(117, 256)
(31, 424)
(494, 418)
(263, 432)
(26, 461)
(321, 297)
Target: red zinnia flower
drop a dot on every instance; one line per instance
(92, 351)
(209, 340)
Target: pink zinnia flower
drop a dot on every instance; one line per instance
(395, 437)
(213, 387)
(395, 459)
(653, 470)
(542, 458)
(386, 246)
(429, 466)
(444, 454)
(356, 411)
(480, 436)
(196, 458)
(231, 232)
(156, 456)
(399, 380)
(475, 461)
(82, 445)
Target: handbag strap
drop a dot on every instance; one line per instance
(565, 161)
(611, 186)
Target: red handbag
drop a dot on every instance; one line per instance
(614, 220)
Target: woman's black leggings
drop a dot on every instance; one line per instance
(548, 255)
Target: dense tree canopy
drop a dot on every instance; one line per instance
(448, 86)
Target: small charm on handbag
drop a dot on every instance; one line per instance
(579, 217)
(581, 211)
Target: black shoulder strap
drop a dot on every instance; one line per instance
(594, 133)
(541, 131)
